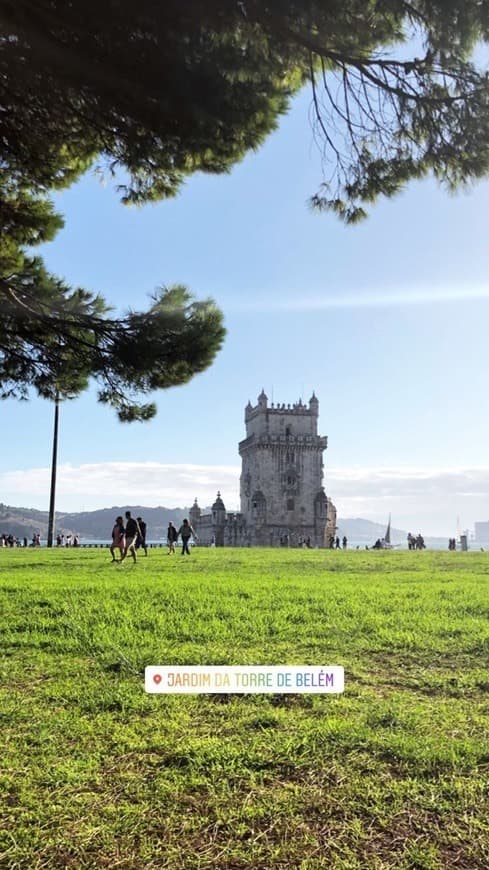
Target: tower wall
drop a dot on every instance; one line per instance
(282, 470)
(281, 491)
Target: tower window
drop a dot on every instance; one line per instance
(290, 504)
(288, 430)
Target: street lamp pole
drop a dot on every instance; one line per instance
(54, 461)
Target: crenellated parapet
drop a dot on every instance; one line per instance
(297, 408)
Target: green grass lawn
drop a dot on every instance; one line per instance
(95, 773)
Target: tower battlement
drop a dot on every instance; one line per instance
(298, 408)
(282, 420)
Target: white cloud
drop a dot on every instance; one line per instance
(426, 499)
(91, 486)
(419, 499)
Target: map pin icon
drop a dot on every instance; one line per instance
(157, 679)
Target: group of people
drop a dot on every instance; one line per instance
(61, 541)
(128, 536)
(68, 541)
(185, 532)
(12, 541)
(336, 544)
(380, 544)
(415, 543)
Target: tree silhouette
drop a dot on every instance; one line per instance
(150, 93)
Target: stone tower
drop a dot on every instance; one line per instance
(281, 486)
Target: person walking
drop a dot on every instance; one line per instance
(132, 532)
(118, 539)
(345, 542)
(141, 539)
(186, 531)
(171, 538)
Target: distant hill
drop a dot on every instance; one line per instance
(365, 530)
(92, 525)
(98, 524)
(23, 522)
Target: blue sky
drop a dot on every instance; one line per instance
(386, 321)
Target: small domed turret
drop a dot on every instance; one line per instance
(314, 404)
(194, 513)
(218, 504)
(218, 512)
(263, 399)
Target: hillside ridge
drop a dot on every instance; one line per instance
(97, 524)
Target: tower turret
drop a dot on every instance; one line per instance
(314, 404)
(263, 399)
(194, 514)
(218, 520)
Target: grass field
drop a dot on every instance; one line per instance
(394, 773)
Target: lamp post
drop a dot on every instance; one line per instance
(52, 497)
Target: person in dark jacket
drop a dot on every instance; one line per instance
(186, 532)
(171, 538)
(141, 540)
(132, 532)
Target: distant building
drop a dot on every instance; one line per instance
(481, 532)
(283, 502)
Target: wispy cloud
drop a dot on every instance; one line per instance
(91, 486)
(426, 499)
(420, 499)
(366, 298)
